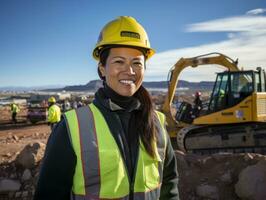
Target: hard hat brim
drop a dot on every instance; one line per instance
(98, 48)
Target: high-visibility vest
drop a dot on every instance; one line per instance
(54, 114)
(100, 170)
(14, 108)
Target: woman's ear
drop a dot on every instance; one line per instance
(101, 70)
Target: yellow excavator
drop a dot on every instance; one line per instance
(233, 120)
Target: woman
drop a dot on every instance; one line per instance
(117, 147)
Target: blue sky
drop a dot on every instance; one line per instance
(50, 42)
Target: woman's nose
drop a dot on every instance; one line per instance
(130, 69)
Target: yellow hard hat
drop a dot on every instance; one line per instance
(51, 100)
(123, 31)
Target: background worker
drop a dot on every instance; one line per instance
(54, 112)
(117, 147)
(220, 100)
(14, 110)
(197, 107)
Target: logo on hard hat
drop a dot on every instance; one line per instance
(129, 34)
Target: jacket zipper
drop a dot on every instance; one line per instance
(130, 180)
(134, 176)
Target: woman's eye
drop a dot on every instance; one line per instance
(119, 62)
(138, 64)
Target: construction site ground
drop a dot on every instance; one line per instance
(14, 137)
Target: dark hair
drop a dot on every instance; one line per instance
(145, 118)
(103, 58)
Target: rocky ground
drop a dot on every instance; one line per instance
(218, 176)
(222, 176)
(21, 150)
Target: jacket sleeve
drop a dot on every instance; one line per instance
(58, 166)
(169, 189)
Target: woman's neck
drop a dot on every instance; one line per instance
(122, 101)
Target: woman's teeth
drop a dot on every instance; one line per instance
(126, 81)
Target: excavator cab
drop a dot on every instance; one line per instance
(232, 87)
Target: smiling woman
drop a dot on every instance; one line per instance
(116, 147)
(123, 70)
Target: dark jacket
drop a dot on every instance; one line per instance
(58, 167)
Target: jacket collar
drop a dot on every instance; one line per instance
(115, 102)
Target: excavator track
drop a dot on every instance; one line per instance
(235, 138)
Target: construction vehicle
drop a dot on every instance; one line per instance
(37, 112)
(234, 119)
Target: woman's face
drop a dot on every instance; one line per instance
(124, 70)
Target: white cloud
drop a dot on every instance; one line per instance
(231, 35)
(235, 24)
(246, 41)
(256, 11)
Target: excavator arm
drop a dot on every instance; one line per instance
(175, 71)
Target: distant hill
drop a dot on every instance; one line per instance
(203, 85)
(30, 88)
(95, 84)
(90, 86)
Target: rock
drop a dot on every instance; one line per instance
(220, 157)
(226, 178)
(16, 138)
(248, 157)
(252, 182)
(193, 159)
(204, 161)
(13, 175)
(30, 155)
(8, 185)
(204, 179)
(24, 194)
(18, 194)
(26, 175)
(11, 195)
(227, 163)
(207, 191)
(9, 136)
(37, 175)
(27, 186)
(180, 156)
(8, 155)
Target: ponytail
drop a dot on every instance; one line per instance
(145, 120)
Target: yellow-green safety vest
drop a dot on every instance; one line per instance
(100, 170)
(15, 108)
(54, 114)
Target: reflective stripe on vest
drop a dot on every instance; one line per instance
(100, 171)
